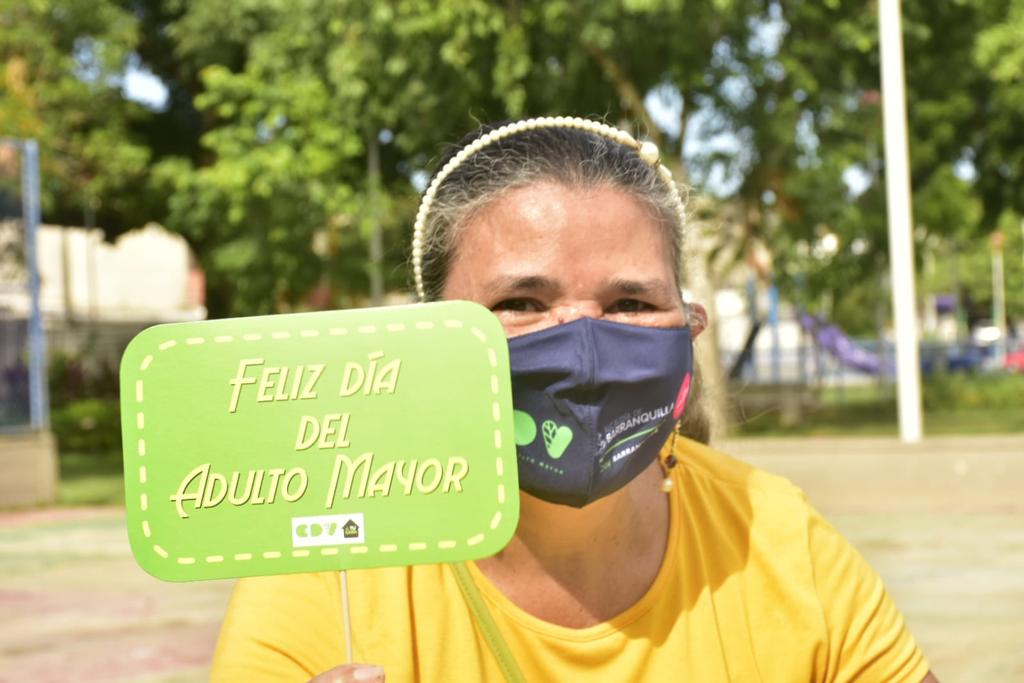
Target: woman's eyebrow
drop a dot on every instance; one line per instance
(523, 283)
(652, 287)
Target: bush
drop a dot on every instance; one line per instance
(72, 378)
(960, 391)
(90, 425)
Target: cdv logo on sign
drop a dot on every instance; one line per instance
(325, 530)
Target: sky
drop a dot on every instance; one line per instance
(140, 85)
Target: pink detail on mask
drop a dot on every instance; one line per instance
(684, 392)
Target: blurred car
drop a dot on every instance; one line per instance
(966, 358)
(1015, 359)
(985, 333)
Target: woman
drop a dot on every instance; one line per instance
(640, 554)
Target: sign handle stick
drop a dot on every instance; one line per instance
(345, 616)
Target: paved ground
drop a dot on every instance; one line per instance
(943, 523)
(76, 607)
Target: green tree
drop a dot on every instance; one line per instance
(289, 103)
(998, 143)
(263, 154)
(811, 171)
(62, 66)
(293, 95)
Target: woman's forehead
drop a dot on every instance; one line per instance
(544, 208)
(547, 227)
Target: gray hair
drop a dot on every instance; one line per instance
(497, 158)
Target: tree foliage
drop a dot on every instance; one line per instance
(259, 156)
(292, 93)
(62, 68)
(817, 168)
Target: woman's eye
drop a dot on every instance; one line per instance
(630, 306)
(517, 305)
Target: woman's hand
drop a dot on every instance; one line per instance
(351, 673)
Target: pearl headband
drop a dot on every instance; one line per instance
(647, 151)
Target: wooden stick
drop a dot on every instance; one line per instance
(345, 617)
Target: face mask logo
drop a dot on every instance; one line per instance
(525, 428)
(605, 397)
(556, 438)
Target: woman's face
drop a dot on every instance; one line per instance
(547, 254)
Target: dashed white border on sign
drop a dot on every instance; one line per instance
(447, 544)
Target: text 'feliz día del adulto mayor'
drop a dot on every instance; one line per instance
(357, 477)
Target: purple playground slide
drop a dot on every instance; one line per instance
(843, 348)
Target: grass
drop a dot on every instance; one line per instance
(953, 405)
(91, 479)
(879, 419)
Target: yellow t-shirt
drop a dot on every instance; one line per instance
(755, 586)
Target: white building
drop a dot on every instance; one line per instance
(145, 276)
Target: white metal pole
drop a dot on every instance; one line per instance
(901, 245)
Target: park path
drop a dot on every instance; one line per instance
(76, 607)
(942, 522)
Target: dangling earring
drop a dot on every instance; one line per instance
(667, 464)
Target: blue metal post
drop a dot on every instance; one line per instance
(38, 399)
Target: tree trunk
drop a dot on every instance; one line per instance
(697, 278)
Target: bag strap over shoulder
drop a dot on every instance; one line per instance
(484, 620)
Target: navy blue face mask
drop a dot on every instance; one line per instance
(594, 403)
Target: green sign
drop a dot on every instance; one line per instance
(318, 441)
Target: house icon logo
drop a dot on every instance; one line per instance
(327, 530)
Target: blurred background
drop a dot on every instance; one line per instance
(172, 160)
